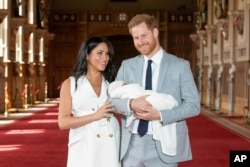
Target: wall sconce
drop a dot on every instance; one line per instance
(223, 27)
(238, 20)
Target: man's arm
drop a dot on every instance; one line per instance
(121, 106)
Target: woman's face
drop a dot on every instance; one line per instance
(98, 58)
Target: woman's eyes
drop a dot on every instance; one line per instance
(102, 53)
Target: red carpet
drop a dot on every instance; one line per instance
(211, 143)
(36, 141)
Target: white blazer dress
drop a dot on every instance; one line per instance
(95, 144)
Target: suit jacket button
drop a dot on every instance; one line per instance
(110, 135)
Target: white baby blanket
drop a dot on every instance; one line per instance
(160, 101)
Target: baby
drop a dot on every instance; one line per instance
(160, 101)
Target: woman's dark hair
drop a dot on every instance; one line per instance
(80, 67)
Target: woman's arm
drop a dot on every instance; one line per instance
(66, 120)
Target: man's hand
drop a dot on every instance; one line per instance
(143, 109)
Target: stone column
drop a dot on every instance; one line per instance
(210, 29)
(232, 69)
(247, 31)
(201, 34)
(218, 87)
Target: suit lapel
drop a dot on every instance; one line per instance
(165, 62)
(139, 69)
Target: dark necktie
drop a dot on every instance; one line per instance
(143, 124)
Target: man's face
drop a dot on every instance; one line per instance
(145, 40)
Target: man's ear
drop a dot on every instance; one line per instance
(156, 32)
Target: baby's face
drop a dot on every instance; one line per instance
(124, 84)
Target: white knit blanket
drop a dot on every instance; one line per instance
(160, 101)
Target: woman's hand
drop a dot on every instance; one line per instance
(104, 111)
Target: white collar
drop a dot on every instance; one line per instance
(157, 57)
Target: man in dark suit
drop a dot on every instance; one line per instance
(168, 74)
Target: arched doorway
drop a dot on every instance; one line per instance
(124, 48)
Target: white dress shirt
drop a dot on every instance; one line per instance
(155, 75)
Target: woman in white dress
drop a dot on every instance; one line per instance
(94, 135)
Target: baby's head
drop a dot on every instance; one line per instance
(114, 85)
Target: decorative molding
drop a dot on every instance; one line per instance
(210, 28)
(198, 20)
(40, 33)
(223, 27)
(212, 31)
(180, 18)
(238, 20)
(221, 9)
(66, 17)
(241, 52)
(226, 57)
(17, 21)
(99, 17)
(215, 58)
(50, 36)
(27, 30)
(3, 14)
(241, 55)
(123, 17)
(193, 37)
(203, 36)
(29, 27)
